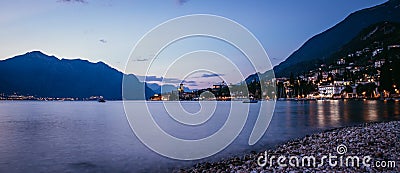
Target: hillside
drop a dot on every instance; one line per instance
(370, 44)
(320, 47)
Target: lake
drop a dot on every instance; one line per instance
(96, 137)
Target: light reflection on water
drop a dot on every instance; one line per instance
(95, 137)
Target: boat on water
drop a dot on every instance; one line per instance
(250, 101)
(101, 100)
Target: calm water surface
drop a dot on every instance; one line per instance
(96, 137)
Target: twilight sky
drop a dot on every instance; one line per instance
(107, 30)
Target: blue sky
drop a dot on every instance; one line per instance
(107, 30)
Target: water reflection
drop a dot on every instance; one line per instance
(336, 113)
(54, 135)
(371, 112)
(320, 114)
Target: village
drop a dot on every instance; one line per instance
(363, 74)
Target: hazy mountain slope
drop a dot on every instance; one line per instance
(37, 74)
(323, 45)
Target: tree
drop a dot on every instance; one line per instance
(366, 90)
(347, 89)
(385, 80)
(330, 78)
(291, 79)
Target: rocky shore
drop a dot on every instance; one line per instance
(375, 145)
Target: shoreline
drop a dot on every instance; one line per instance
(300, 101)
(378, 140)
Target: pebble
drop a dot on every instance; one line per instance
(381, 141)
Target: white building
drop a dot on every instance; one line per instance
(329, 90)
(341, 61)
(379, 63)
(326, 90)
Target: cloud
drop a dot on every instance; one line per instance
(211, 75)
(189, 82)
(141, 60)
(103, 41)
(172, 80)
(159, 79)
(79, 1)
(182, 2)
(152, 79)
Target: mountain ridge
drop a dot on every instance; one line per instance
(35, 73)
(324, 44)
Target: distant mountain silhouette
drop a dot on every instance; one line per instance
(320, 47)
(165, 88)
(40, 75)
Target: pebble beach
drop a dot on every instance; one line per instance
(377, 144)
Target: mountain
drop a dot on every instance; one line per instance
(323, 45)
(40, 75)
(370, 44)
